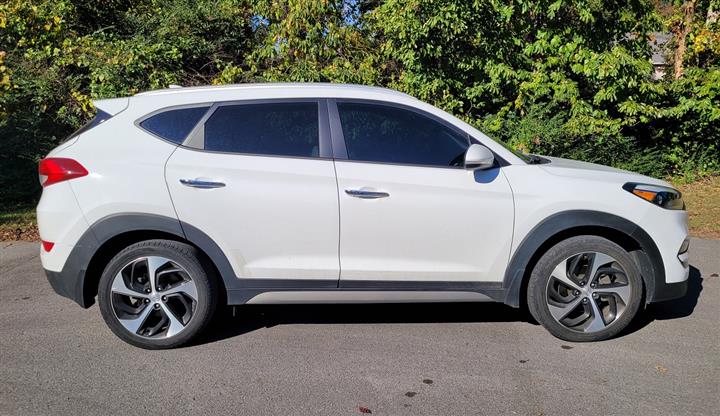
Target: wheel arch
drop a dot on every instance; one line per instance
(109, 235)
(566, 224)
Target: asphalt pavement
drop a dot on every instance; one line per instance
(443, 359)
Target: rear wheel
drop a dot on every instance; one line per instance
(585, 288)
(156, 294)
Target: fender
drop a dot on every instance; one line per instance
(650, 264)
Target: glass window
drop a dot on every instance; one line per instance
(100, 117)
(285, 129)
(379, 133)
(174, 125)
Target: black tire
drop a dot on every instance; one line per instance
(181, 254)
(539, 286)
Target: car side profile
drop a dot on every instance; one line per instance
(172, 202)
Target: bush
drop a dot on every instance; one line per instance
(564, 78)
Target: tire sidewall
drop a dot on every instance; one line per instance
(184, 255)
(537, 286)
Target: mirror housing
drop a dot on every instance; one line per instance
(478, 156)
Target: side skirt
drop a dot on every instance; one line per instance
(363, 291)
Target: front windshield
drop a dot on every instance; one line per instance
(525, 157)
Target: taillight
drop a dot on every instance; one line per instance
(57, 169)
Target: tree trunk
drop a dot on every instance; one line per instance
(681, 34)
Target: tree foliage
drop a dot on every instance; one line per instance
(562, 77)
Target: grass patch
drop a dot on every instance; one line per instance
(702, 199)
(18, 223)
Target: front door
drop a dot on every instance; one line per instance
(409, 211)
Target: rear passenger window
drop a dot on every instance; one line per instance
(283, 129)
(174, 125)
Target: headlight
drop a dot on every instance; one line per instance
(661, 196)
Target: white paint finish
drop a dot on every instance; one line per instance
(345, 296)
(437, 224)
(112, 106)
(126, 170)
(275, 218)
(61, 222)
(543, 190)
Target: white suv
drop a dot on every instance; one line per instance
(171, 202)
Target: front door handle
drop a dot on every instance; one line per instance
(202, 184)
(365, 194)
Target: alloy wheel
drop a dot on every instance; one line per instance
(588, 292)
(153, 297)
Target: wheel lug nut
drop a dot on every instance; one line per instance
(157, 306)
(164, 298)
(592, 284)
(147, 290)
(582, 283)
(585, 300)
(595, 295)
(576, 293)
(147, 300)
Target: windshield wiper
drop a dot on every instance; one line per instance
(535, 160)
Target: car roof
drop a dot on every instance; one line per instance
(321, 88)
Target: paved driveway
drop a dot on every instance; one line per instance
(56, 358)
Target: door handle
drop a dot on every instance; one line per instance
(364, 194)
(199, 183)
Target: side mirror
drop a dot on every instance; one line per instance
(479, 157)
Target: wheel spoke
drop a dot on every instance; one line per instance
(153, 264)
(121, 288)
(187, 287)
(622, 291)
(134, 324)
(598, 260)
(561, 274)
(560, 311)
(596, 321)
(175, 325)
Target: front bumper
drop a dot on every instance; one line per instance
(669, 291)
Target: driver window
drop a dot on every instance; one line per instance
(382, 133)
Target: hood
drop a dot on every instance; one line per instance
(574, 168)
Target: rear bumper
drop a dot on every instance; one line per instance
(70, 281)
(68, 286)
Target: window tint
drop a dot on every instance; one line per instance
(174, 125)
(286, 129)
(379, 133)
(100, 117)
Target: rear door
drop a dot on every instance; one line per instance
(260, 182)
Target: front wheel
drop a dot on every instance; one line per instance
(156, 294)
(585, 288)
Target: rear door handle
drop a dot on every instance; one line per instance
(365, 194)
(202, 184)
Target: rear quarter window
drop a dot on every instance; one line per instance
(174, 125)
(99, 118)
